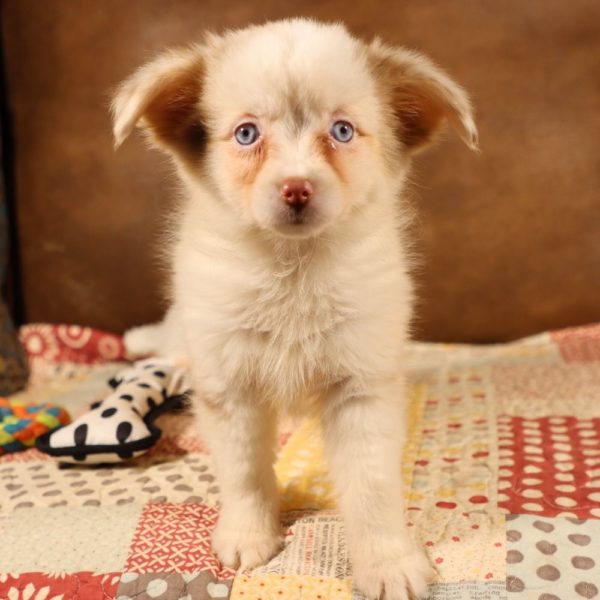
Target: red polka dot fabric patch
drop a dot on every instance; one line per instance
(549, 466)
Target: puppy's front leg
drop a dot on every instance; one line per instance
(363, 442)
(241, 437)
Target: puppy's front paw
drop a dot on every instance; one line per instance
(397, 576)
(244, 545)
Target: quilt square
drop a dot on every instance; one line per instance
(468, 590)
(59, 586)
(275, 587)
(175, 538)
(315, 546)
(452, 483)
(552, 558)
(453, 444)
(541, 390)
(176, 586)
(67, 539)
(550, 466)
(184, 478)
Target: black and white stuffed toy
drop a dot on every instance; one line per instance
(121, 426)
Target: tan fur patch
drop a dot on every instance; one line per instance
(252, 160)
(328, 149)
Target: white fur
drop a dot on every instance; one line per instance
(315, 319)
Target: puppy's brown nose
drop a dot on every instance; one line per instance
(296, 193)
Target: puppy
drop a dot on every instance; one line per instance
(290, 282)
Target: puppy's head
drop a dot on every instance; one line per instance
(295, 124)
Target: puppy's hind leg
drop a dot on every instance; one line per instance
(158, 339)
(143, 341)
(363, 442)
(241, 437)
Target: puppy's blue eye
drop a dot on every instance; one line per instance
(246, 134)
(342, 131)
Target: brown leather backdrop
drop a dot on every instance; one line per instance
(509, 240)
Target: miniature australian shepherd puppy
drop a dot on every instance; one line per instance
(290, 284)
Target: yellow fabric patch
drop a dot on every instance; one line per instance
(279, 587)
(301, 472)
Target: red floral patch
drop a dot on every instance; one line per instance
(91, 586)
(71, 343)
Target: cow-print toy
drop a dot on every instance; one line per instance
(121, 426)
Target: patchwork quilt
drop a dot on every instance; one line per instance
(501, 472)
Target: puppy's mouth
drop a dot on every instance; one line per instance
(297, 223)
(295, 217)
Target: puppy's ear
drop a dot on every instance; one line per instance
(420, 96)
(163, 97)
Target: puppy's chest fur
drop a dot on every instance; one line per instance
(274, 326)
(289, 331)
